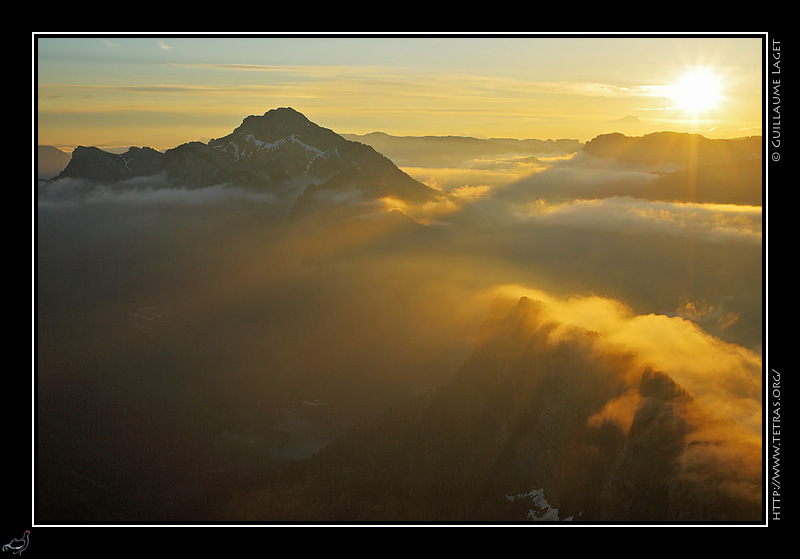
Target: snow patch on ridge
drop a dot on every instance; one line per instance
(542, 510)
(248, 144)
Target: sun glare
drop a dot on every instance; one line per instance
(698, 90)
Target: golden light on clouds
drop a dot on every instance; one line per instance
(717, 223)
(725, 377)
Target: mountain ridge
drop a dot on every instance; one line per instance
(280, 152)
(252, 139)
(430, 150)
(681, 148)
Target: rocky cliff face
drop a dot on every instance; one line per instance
(196, 165)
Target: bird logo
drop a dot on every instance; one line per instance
(17, 546)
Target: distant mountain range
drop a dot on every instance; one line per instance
(50, 161)
(420, 151)
(283, 153)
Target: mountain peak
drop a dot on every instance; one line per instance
(281, 152)
(257, 133)
(283, 116)
(286, 112)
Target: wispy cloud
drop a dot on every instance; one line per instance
(410, 78)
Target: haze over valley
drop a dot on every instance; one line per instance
(288, 321)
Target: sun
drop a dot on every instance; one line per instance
(698, 90)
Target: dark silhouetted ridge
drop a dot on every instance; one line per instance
(681, 149)
(655, 384)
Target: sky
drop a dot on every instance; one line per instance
(624, 279)
(162, 91)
